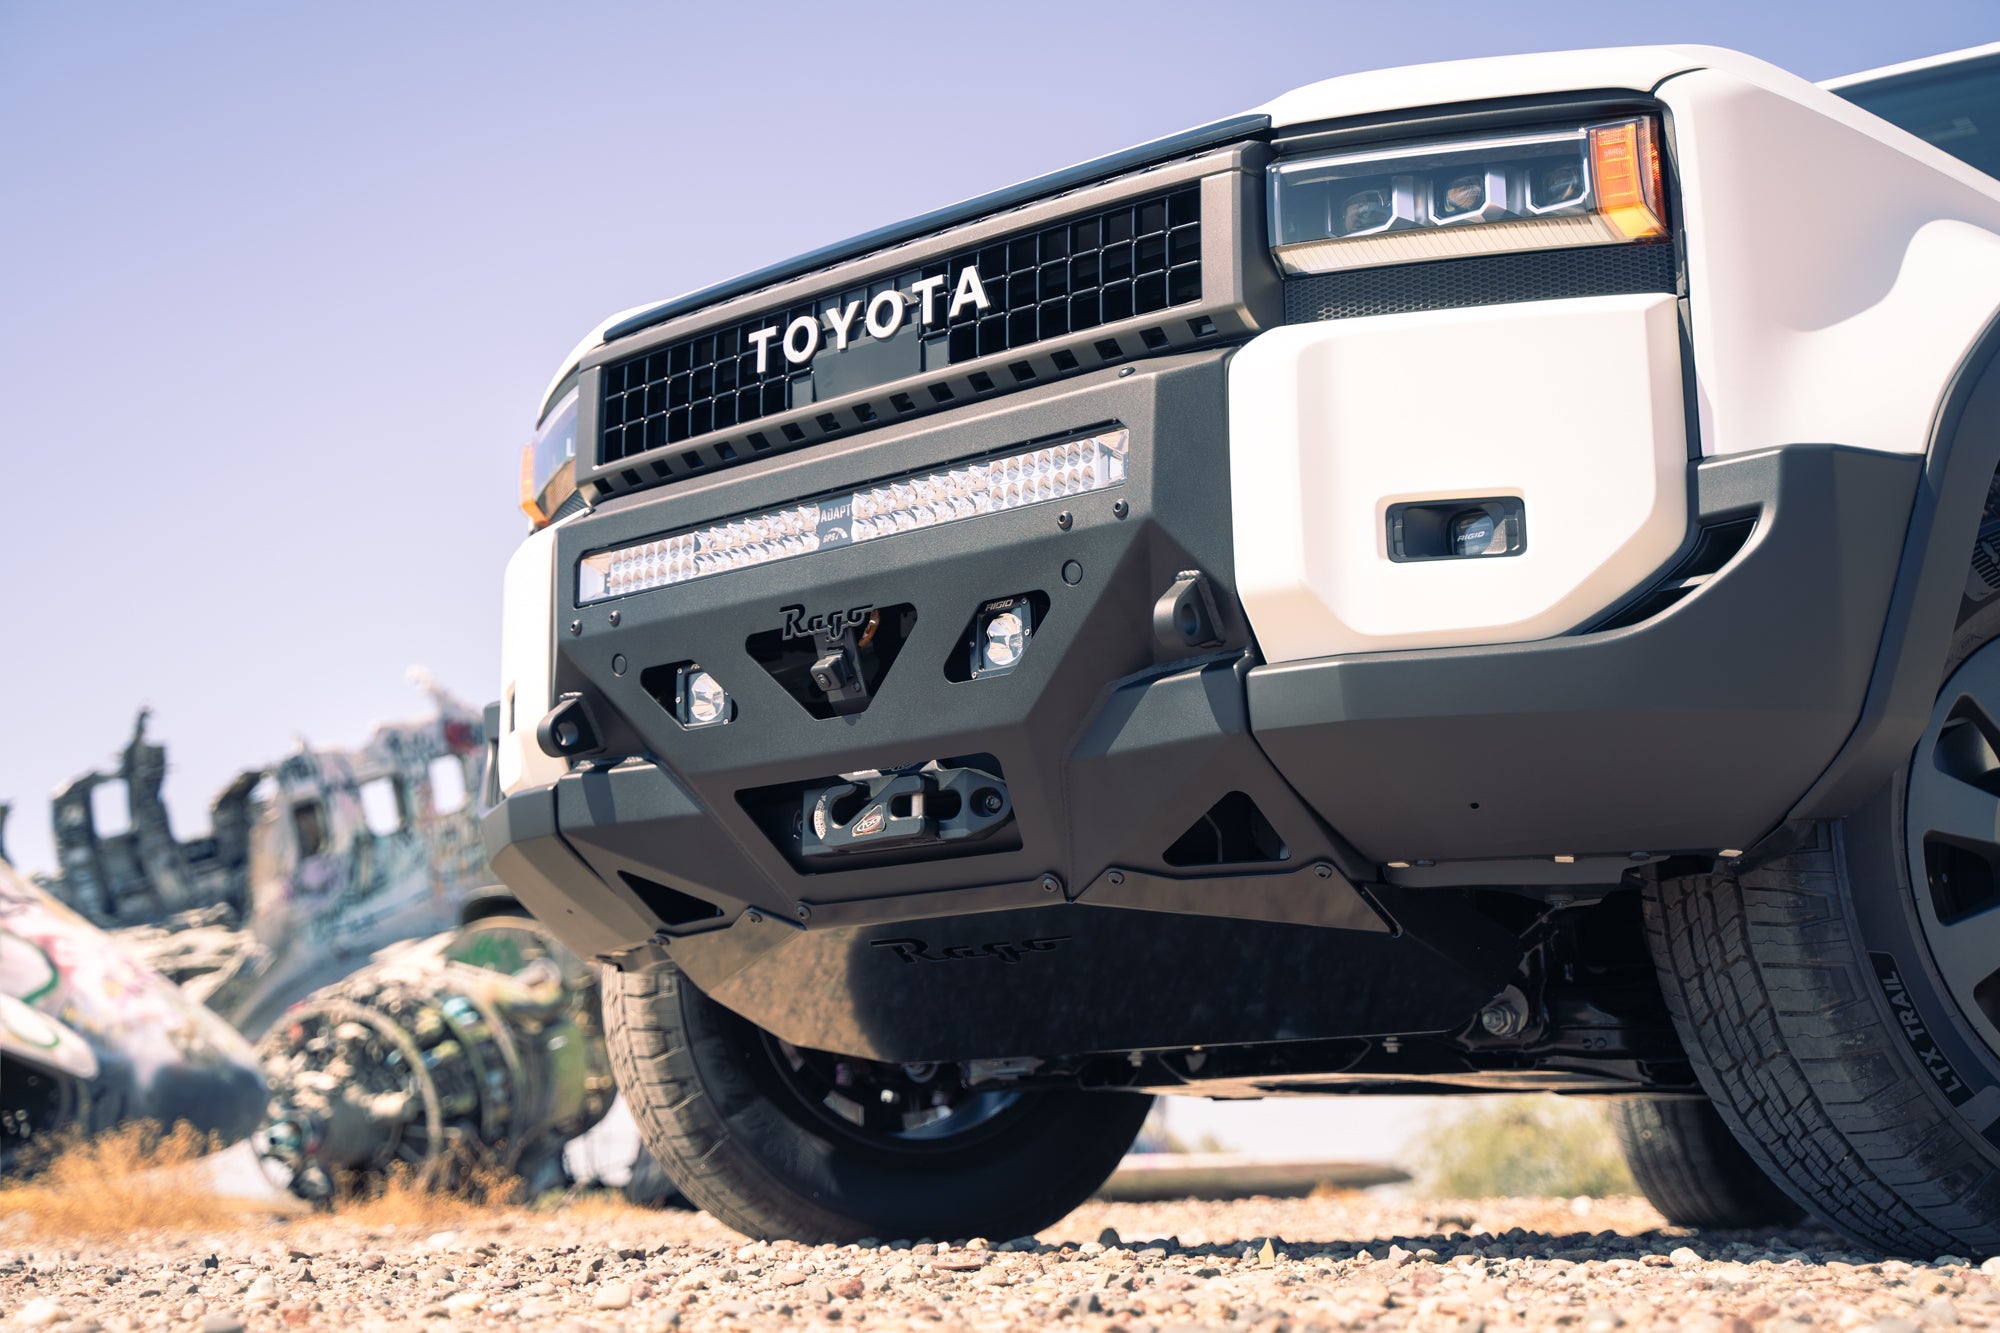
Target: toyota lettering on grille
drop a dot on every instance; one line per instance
(882, 319)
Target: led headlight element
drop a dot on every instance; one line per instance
(990, 486)
(1592, 185)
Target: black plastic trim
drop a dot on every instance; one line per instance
(910, 229)
(1694, 730)
(1930, 586)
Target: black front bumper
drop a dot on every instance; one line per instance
(1085, 924)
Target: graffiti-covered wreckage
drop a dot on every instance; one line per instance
(471, 1037)
(313, 864)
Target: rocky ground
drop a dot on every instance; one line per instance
(1341, 1262)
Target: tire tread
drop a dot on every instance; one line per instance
(1764, 976)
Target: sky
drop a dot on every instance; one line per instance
(281, 285)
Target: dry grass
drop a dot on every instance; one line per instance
(133, 1178)
(138, 1178)
(1527, 1146)
(406, 1198)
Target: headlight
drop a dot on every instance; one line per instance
(1592, 185)
(548, 463)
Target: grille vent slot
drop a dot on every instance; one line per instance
(1452, 284)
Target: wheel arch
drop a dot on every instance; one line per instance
(1961, 459)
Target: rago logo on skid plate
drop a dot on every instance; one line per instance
(919, 951)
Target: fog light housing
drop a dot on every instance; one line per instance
(700, 700)
(1000, 635)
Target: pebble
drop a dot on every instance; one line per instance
(1342, 1262)
(40, 1312)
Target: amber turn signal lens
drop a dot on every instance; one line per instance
(530, 502)
(1625, 159)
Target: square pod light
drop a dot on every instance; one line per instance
(699, 699)
(999, 634)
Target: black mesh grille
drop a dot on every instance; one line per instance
(1108, 265)
(1448, 284)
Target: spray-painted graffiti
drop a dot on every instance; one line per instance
(323, 857)
(67, 991)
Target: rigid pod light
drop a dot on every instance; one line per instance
(700, 700)
(1000, 635)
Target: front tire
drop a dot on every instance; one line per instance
(768, 1139)
(1691, 1168)
(1841, 1003)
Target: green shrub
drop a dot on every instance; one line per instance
(1483, 1147)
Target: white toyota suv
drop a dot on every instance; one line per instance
(1472, 577)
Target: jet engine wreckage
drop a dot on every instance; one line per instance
(478, 1050)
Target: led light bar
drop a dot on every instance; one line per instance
(990, 486)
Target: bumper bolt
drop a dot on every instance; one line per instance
(1323, 870)
(1051, 884)
(1506, 1016)
(802, 912)
(617, 616)
(1064, 519)
(576, 627)
(1120, 509)
(1116, 877)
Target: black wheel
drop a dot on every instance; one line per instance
(1692, 1169)
(1841, 1003)
(781, 1142)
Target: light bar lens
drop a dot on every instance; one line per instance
(991, 486)
(1592, 185)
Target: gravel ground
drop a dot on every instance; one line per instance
(1352, 1261)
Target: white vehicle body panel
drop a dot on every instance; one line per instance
(526, 649)
(1573, 406)
(1840, 321)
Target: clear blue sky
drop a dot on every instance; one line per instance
(280, 284)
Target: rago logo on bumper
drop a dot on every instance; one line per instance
(883, 318)
(830, 624)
